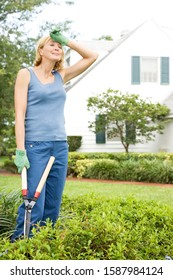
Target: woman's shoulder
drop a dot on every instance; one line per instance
(23, 73)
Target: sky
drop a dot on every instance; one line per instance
(94, 18)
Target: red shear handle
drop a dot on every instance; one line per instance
(44, 177)
(24, 182)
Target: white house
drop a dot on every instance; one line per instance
(141, 62)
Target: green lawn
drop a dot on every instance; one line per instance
(160, 194)
(163, 195)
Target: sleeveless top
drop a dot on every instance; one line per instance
(44, 120)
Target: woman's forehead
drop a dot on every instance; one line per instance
(52, 41)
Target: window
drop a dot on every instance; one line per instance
(100, 130)
(149, 70)
(146, 70)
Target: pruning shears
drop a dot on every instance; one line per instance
(30, 202)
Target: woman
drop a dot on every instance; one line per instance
(39, 123)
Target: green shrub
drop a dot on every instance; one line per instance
(94, 228)
(143, 170)
(155, 171)
(9, 202)
(122, 156)
(74, 142)
(82, 166)
(10, 166)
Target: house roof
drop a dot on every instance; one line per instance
(168, 31)
(111, 46)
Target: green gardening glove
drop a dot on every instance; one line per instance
(21, 160)
(58, 37)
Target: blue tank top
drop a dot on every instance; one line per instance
(44, 120)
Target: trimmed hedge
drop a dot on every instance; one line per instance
(154, 171)
(95, 228)
(157, 168)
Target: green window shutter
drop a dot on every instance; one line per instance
(164, 71)
(100, 130)
(135, 70)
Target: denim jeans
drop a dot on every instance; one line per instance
(49, 201)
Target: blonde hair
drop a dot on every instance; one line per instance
(40, 44)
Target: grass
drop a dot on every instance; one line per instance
(10, 182)
(159, 194)
(163, 195)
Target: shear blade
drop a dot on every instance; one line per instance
(27, 223)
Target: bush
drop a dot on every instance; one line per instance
(94, 228)
(10, 166)
(142, 170)
(9, 202)
(74, 142)
(122, 156)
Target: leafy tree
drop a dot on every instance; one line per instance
(127, 116)
(8, 7)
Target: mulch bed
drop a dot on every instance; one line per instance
(122, 182)
(7, 173)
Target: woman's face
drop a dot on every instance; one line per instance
(52, 50)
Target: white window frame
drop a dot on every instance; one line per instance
(149, 69)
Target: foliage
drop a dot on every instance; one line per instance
(106, 37)
(10, 166)
(8, 7)
(93, 228)
(153, 171)
(9, 201)
(74, 142)
(140, 167)
(75, 158)
(127, 116)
